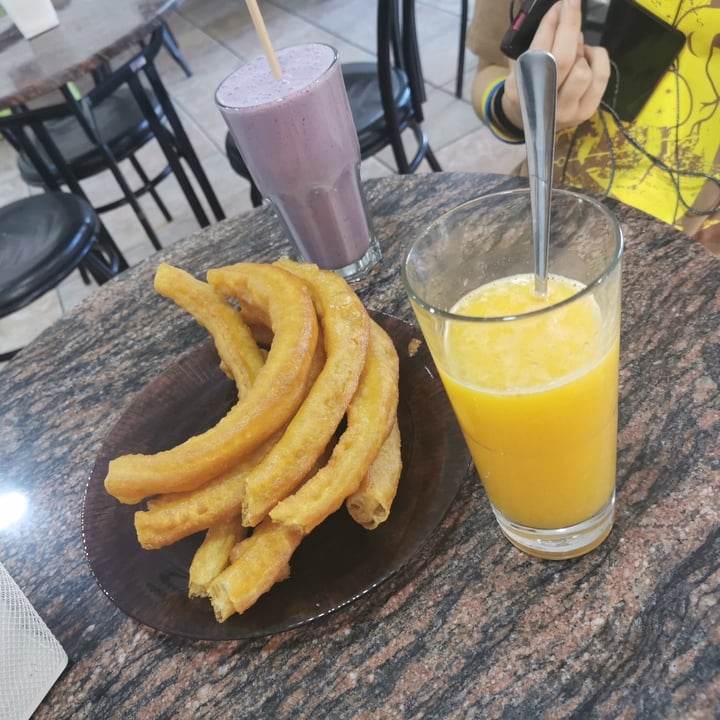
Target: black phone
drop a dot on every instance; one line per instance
(519, 35)
(642, 48)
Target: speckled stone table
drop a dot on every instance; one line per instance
(469, 627)
(90, 33)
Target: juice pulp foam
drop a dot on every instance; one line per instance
(297, 137)
(536, 399)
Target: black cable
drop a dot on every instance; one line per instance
(676, 72)
(662, 165)
(611, 153)
(675, 173)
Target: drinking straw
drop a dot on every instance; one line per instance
(262, 32)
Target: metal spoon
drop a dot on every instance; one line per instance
(537, 86)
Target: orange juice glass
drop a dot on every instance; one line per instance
(533, 378)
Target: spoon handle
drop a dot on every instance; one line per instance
(537, 87)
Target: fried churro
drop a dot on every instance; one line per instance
(370, 417)
(261, 560)
(277, 392)
(213, 555)
(233, 339)
(370, 505)
(345, 331)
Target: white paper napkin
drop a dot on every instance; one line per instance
(31, 659)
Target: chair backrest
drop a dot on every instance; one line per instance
(411, 57)
(397, 47)
(22, 120)
(16, 128)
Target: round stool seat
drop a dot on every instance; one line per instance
(43, 238)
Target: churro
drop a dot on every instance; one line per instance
(277, 392)
(370, 417)
(370, 505)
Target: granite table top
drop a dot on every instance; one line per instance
(90, 33)
(470, 626)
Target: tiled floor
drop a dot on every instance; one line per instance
(217, 36)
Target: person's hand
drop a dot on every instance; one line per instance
(582, 71)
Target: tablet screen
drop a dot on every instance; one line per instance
(642, 48)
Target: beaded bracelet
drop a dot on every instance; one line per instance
(495, 118)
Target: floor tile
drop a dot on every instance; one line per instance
(447, 119)
(353, 21)
(480, 151)
(203, 12)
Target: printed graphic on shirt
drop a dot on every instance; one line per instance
(678, 127)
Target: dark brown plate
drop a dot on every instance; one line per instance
(336, 564)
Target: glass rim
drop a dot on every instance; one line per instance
(245, 108)
(586, 290)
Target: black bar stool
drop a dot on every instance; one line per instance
(43, 238)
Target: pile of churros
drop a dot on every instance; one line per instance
(314, 427)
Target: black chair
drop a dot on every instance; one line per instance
(43, 238)
(111, 123)
(386, 97)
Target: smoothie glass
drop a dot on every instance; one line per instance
(533, 380)
(297, 137)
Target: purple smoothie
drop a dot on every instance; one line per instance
(298, 140)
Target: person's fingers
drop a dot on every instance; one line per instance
(571, 91)
(568, 41)
(583, 71)
(580, 94)
(545, 34)
(599, 62)
(559, 33)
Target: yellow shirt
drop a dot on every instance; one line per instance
(679, 125)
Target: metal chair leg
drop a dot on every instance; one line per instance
(134, 204)
(173, 48)
(432, 160)
(146, 181)
(87, 122)
(167, 142)
(461, 50)
(256, 197)
(185, 148)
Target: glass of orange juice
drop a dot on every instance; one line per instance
(532, 378)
